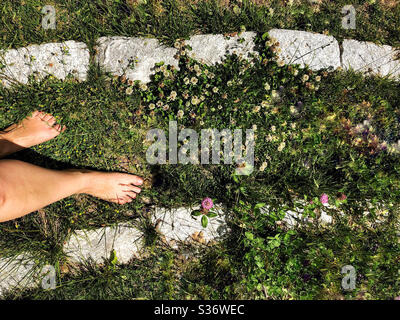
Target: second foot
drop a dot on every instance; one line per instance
(38, 128)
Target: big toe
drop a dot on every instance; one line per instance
(135, 180)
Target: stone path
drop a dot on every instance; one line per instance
(135, 58)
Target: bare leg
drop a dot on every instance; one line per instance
(25, 188)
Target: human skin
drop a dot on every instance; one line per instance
(25, 188)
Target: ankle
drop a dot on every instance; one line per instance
(6, 146)
(84, 180)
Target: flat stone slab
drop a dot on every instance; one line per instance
(133, 57)
(179, 226)
(370, 58)
(316, 50)
(212, 48)
(17, 272)
(57, 59)
(97, 245)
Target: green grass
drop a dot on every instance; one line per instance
(108, 118)
(171, 19)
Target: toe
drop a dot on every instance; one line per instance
(131, 195)
(47, 117)
(122, 199)
(136, 189)
(57, 127)
(130, 187)
(135, 180)
(35, 114)
(51, 121)
(125, 199)
(41, 114)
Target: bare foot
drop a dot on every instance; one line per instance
(115, 187)
(38, 128)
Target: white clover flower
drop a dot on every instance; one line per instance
(166, 107)
(195, 100)
(305, 78)
(269, 43)
(295, 72)
(273, 128)
(129, 91)
(159, 103)
(267, 86)
(263, 166)
(274, 94)
(280, 62)
(318, 78)
(194, 80)
(152, 106)
(293, 110)
(172, 95)
(180, 114)
(281, 146)
(256, 109)
(215, 90)
(186, 80)
(177, 44)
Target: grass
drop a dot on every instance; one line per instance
(311, 140)
(171, 19)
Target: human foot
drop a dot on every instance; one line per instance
(33, 130)
(115, 187)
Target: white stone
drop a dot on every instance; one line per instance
(17, 272)
(295, 217)
(212, 48)
(57, 59)
(370, 58)
(133, 57)
(178, 225)
(318, 51)
(97, 245)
